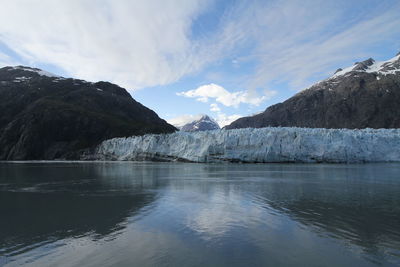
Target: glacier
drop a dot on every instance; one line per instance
(257, 145)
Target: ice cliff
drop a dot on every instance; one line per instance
(258, 145)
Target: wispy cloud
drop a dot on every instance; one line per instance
(6, 60)
(133, 43)
(223, 96)
(145, 43)
(297, 42)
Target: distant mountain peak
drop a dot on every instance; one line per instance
(206, 117)
(204, 123)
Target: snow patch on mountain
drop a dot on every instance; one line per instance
(391, 66)
(204, 123)
(258, 145)
(22, 79)
(38, 71)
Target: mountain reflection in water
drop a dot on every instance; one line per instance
(168, 214)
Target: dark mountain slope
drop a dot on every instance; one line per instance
(364, 95)
(43, 116)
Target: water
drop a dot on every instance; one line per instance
(180, 214)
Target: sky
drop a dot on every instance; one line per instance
(182, 58)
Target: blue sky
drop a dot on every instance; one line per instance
(186, 57)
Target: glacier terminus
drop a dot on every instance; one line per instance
(262, 145)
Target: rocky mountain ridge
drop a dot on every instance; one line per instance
(44, 116)
(365, 95)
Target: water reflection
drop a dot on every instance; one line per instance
(195, 214)
(44, 205)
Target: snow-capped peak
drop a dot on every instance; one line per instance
(390, 66)
(35, 70)
(205, 117)
(204, 123)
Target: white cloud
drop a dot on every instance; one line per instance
(145, 43)
(224, 119)
(223, 96)
(217, 214)
(133, 43)
(214, 108)
(183, 119)
(221, 118)
(299, 42)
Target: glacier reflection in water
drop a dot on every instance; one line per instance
(170, 214)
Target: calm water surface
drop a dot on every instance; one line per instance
(178, 214)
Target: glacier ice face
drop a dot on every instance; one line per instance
(258, 145)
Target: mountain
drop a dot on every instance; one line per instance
(365, 95)
(43, 116)
(205, 123)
